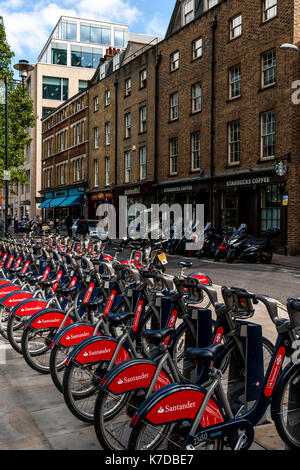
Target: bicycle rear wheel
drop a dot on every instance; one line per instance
(145, 436)
(14, 332)
(286, 409)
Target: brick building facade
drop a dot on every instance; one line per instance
(64, 159)
(204, 116)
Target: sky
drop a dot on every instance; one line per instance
(28, 23)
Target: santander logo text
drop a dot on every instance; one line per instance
(133, 379)
(96, 353)
(81, 335)
(179, 407)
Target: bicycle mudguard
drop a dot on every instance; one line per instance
(202, 278)
(134, 374)
(15, 298)
(96, 349)
(48, 318)
(176, 403)
(5, 282)
(29, 307)
(74, 334)
(7, 289)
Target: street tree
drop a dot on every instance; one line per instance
(20, 116)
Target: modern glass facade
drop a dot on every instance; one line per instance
(55, 88)
(85, 57)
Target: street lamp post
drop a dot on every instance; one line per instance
(23, 67)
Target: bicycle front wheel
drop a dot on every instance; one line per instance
(286, 409)
(80, 385)
(36, 350)
(113, 415)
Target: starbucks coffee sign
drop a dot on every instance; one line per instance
(249, 181)
(281, 168)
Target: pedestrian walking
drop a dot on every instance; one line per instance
(69, 224)
(82, 229)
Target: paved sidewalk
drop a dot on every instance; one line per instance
(33, 414)
(286, 261)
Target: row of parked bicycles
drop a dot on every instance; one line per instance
(153, 361)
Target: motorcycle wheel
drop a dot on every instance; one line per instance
(230, 256)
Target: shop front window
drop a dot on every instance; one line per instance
(229, 209)
(270, 208)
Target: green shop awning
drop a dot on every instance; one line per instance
(45, 204)
(71, 201)
(57, 202)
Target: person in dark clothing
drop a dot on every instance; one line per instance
(69, 223)
(82, 229)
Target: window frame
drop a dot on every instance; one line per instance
(143, 119)
(173, 156)
(195, 98)
(232, 82)
(232, 143)
(233, 28)
(127, 172)
(174, 106)
(174, 62)
(264, 70)
(194, 49)
(195, 150)
(263, 136)
(264, 10)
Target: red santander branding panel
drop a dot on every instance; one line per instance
(275, 371)
(4, 290)
(137, 317)
(50, 320)
(101, 351)
(184, 405)
(171, 324)
(16, 298)
(89, 293)
(219, 335)
(137, 376)
(10, 262)
(30, 308)
(110, 302)
(58, 278)
(76, 335)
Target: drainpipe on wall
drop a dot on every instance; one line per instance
(158, 62)
(116, 84)
(213, 25)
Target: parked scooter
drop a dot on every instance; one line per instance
(243, 247)
(221, 251)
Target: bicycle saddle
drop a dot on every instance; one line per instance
(204, 356)
(186, 264)
(117, 319)
(92, 306)
(158, 336)
(66, 290)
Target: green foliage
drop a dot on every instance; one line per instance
(20, 117)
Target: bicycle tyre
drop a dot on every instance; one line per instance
(288, 425)
(15, 324)
(54, 369)
(74, 398)
(112, 427)
(31, 357)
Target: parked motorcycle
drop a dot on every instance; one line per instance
(212, 240)
(221, 251)
(243, 247)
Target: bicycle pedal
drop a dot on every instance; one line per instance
(190, 447)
